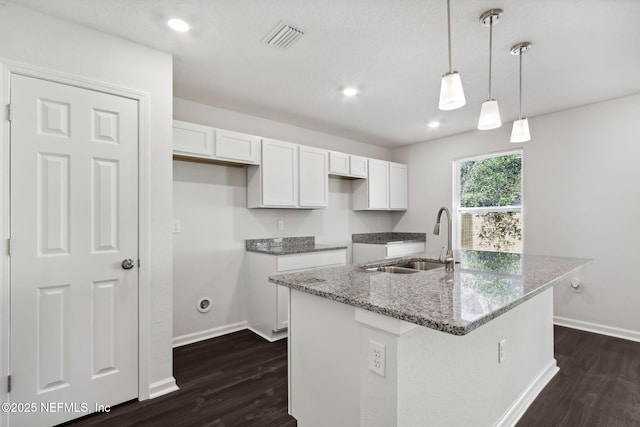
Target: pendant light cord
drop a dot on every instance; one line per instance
(449, 33)
(490, 49)
(520, 89)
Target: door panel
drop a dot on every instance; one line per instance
(378, 184)
(398, 192)
(53, 204)
(314, 179)
(74, 218)
(279, 169)
(53, 345)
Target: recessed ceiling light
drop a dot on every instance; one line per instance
(433, 124)
(350, 91)
(178, 25)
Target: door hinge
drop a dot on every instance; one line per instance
(9, 247)
(9, 384)
(9, 112)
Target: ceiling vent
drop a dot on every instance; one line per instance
(283, 36)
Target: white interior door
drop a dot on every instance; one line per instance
(74, 219)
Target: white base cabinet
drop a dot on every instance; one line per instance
(268, 302)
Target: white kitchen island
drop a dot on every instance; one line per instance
(384, 349)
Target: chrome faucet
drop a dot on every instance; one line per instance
(449, 260)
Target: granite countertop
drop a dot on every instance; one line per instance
(483, 286)
(288, 245)
(388, 238)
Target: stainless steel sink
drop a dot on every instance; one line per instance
(425, 265)
(408, 267)
(397, 269)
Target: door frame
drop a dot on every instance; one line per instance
(7, 68)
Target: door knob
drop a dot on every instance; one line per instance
(128, 264)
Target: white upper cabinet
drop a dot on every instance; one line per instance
(346, 165)
(314, 185)
(217, 145)
(384, 189)
(275, 183)
(289, 176)
(194, 140)
(398, 193)
(286, 175)
(358, 166)
(338, 163)
(378, 183)
(237, 147)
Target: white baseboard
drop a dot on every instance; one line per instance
(162, 387)
(626, 334)
(209, 333)
(528, 395)
(273, 338)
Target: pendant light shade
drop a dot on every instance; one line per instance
(520, 130)
(489, 113)
(451, 93)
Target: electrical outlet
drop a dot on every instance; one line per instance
(176, 226)
(501, 350)
(377, 358)
(280, 225)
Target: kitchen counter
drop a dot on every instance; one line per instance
(483, 286)
(387, 238)
(419, 349)
(288, 246)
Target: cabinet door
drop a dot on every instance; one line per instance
(358, 166)
(314, 182)
(397, 186)
(279, 169)
(192, 140)
(378, 184)
(237, 147)
(282, 307)
(338, 163)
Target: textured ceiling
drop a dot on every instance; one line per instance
(394, 51)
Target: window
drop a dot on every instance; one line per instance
(488, 201)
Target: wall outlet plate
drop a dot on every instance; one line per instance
(377, 358)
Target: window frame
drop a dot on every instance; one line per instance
(455, 204)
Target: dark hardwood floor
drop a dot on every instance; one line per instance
(241, 380)
(234, 380)
(598, 384)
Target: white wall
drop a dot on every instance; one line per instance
(580, 199)
(35, 39)
(210, 203)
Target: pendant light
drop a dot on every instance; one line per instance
(489, 113)
(520, 130)
(451, 93)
